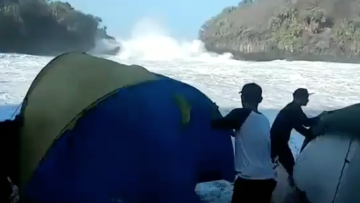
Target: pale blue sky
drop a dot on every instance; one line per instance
(182, 17)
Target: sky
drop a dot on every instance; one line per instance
(181, 18)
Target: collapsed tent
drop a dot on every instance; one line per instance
(97, 131)
(327, 170)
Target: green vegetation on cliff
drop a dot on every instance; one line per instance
(46, 27)
(284, 29)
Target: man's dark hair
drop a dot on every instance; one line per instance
(252, 92)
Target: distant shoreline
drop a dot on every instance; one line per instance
(272, 56)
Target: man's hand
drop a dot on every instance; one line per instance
(325, 113)
(319, 130)
(321, 116)
(275, 161)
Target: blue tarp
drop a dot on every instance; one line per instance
(133, 148)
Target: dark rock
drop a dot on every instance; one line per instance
(43, 27)
(315, 30)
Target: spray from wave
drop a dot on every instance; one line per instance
(104, 46)
(150, 40)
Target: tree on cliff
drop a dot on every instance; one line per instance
(287, 28)
(45, 27)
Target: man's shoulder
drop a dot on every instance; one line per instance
(240, 113)
(260, 120)
(257, 119)
(291, 106)
(288, 110)
(241, 110)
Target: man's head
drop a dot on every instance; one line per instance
(251, 95)
(301, 96)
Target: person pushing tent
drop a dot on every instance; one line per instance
(289, 118)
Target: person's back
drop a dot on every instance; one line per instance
(250, 163)
(289, 118)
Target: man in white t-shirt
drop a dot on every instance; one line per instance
(256, 176)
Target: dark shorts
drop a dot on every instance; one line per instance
(251, 191)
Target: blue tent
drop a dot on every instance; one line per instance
(148, 142)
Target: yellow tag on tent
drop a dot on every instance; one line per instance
(184, 107)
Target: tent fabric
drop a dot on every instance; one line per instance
(332, 158)
(326, 166)
(349, 192)
(344, 120)
(151, 142)
(133, 147)
(65, 87)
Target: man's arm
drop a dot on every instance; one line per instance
(8, 126)
(304, 120)
(304, 131)
(232, 121)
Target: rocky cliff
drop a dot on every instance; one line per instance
(44, 27)
(319, 30)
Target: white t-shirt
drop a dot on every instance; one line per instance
(252, 148)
